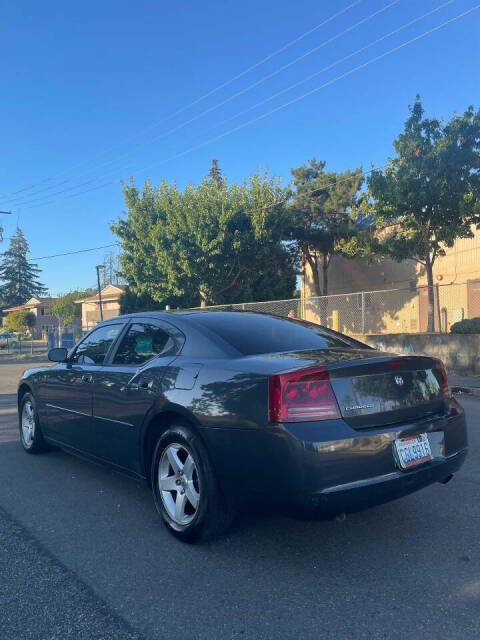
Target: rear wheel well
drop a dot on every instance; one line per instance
(158, 425)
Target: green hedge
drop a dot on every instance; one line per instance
(466, 326)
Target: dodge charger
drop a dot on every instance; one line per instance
(223, 411)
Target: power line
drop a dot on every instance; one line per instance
(202, 97)
(335, 63)
(216, 106)
(71, 253)
(117, 244)
(243, 91)
(323, 86)
(219, 104)
(303, 96)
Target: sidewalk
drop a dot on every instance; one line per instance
(465, 384)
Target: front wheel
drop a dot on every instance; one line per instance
(185, 489)
(30, 432)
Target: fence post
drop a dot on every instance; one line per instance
(335, 322)
(438, 309)
(363, 312)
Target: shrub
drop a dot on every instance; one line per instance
(466, 326)
(20, 321)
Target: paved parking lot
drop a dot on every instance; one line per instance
(83, 555)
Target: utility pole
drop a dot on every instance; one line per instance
(5, 213)
(98, 267)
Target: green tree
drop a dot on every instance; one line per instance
(130, 302)
(19, 277)
(323, 217)
(210, 244)
(430, 191)
(20, 321)
(65, 308)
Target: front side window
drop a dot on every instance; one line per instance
(94, 348)
(142, 342)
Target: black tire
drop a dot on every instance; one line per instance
(35, 444)
(212, 516)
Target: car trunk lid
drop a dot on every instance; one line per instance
(372, 388)
(388, 389)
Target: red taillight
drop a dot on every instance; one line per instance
(301, 395)
(441, 376)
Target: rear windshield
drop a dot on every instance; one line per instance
(254, 334)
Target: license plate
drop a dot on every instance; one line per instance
(413, 450)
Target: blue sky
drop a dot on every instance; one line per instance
(88, 91)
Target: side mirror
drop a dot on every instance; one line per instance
(58, 355)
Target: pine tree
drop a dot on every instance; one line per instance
(215, 174)
(18, 276)
(322, 223)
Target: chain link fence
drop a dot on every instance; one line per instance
(377, 312)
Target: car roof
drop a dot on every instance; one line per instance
(170, 315)
(201, 343)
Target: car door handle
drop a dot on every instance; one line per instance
(87, 378)
(146, 385)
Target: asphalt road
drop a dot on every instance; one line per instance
(83, 555)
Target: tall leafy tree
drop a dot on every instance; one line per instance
(18, 277)
(65, 307)
(130, 302)
(323, 217)
(429, 194)
(212, 243)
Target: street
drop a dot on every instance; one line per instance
(84, 555)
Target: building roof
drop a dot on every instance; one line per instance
(32, 304)
(109, 293)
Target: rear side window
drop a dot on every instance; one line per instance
(254, 334)
(142, 342)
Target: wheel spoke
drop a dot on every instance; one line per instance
(192, 494)
(168, 483)
(188, 467)
(174, 460)
(180, 502)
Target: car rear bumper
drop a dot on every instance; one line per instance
(329, 467)
(355, 496)
(361, 471)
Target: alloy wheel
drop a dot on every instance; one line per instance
(28, 424)
(179, 484)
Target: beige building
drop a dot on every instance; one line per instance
(40, 307)
(110, 306)
(391, 297)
